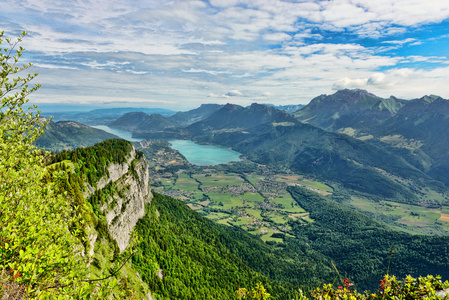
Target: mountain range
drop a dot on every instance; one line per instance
(100, 116)
(415, 129)
(385, 147)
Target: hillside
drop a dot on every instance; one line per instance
(421, 126)
(413, 129)
(360, 246)
(356, 109)
(143, 125)
(101, 116)
(234, 118)
(184, 118)
(64, 135)
(137, 122)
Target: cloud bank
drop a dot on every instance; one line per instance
(179, 54)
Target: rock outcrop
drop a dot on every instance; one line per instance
(126, 206)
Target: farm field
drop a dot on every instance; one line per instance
(409, 218)
(257, 202)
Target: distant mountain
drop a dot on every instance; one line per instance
(235, 117)
(270, 136)
(129, 121)
(194, 115)
(103, 116)
(67, 135)
(288, 108)
(421, 126)
(355, 109)
(144, 125)
(414, 129)
(142, 122)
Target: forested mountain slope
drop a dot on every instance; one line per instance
(66, 135)
(144, 125)
(234, 117)
(414, 129)
(356, 109)
(360, 246)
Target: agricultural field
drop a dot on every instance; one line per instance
(409, 218)
(257, 202)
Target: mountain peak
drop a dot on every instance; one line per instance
(231, 107)
(348, 108)
(429, 98)
(359, 92)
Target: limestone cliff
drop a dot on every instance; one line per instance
(127, 205)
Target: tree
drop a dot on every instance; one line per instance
(257, 293)
(37, 250)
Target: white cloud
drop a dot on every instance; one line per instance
(234, 93)
(197, 50)
(401, 42)
(224, 3)
(376, 79)
(277, 37)
(347, 83)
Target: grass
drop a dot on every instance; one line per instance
(432, 195)
(186, 183)
(288, 204)
(219, 179)
(254, 178)
(317, 186)
(268, 237)
(278, 218)
(401, 142)
(215, 216)
(416, 219)
(231, 193)
(254, 212)
(323, 188)
(242, 221)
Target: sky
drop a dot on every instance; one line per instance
(179, 54)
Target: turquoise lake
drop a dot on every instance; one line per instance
(204, 155)
(126, 135)
(200, 155)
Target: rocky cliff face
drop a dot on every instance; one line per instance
(126, 206)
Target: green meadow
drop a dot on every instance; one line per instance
(409, 218)
(258, 203)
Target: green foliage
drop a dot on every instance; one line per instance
(360, 246)
(257, 293)
(185, 249)
(37, 250)
(428, 287)
(91, 163)
(390, 288)
(43, 214)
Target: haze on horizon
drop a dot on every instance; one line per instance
(180, 54)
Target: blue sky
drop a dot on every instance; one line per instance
(179, 54)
